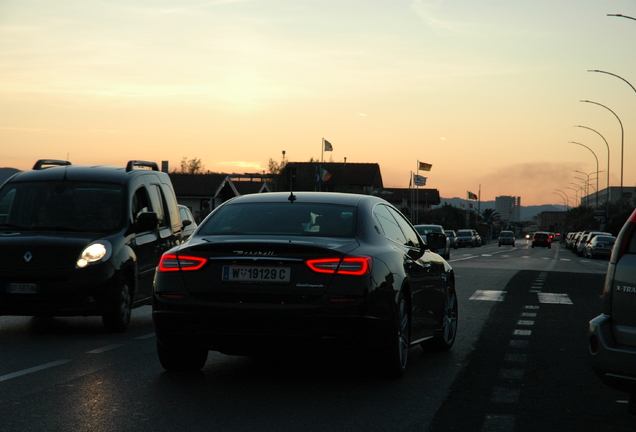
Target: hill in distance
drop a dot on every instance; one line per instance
(526, 213)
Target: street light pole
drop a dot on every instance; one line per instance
(565, 196)
(622, 16)
(583, 145)
(608, 167)
(576, 192)
(629, 84)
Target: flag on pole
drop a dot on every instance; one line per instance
(424, 166)
(419, 180)
(328, 146)
(324, 174)
(472, 196)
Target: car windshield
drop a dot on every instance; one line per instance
(61, 206)
(425, 229)
(305, 219)
(464, 233)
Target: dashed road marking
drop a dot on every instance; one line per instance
(554, 298)
(106, 348)
(488, 295)
(33, 369)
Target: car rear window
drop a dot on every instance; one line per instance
(306, 219)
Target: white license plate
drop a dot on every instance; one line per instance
(22, 288)
(256, 274)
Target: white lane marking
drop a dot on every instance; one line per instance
(522, 332)
(499, 422)
(529, 314)
(554, 298)
(532, 307)
(148, 336)
(525, 322)
(505, 395)
(33, 369)
(511, 374)
(488, 295)
(106, 348)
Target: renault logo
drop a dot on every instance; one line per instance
(27, 256)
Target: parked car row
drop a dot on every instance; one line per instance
(590, 244)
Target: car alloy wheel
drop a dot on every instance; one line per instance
(119, 318)
(397, 356)
(445, 337)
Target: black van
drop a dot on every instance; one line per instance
(84, 240)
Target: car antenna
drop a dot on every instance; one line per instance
(292, 176)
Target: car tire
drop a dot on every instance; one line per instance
(181, 359)
(445, 337)
(398, 349)
(117, 318)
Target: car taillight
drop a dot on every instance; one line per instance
(173, 262)
(356, 266)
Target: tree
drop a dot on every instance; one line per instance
(192, 166)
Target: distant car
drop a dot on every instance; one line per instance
(506, 238)
(600, 247)
(285, 272)
(612, 340)
(423, 230)
(580, 249)
(188, 225)
(479, 241)
(542, 239)
(466, 237)
(452, 236)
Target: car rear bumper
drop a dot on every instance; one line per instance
(252, 329)
(614, 364)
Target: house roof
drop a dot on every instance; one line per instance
(251, 187)
(200, 185)
(350, 174)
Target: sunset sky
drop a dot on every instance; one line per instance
(487, 91)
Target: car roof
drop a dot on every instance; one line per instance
(299, 197)
(100, 173)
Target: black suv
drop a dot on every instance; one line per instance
(542, 239)
(84, 240)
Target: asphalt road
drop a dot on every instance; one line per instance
(67, 374)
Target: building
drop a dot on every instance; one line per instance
(509, 208)
(611, 194)
(361, 178)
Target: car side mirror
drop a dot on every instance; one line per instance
(186, 223)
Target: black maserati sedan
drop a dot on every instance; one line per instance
(287, 272)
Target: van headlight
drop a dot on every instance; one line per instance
(94, 252)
